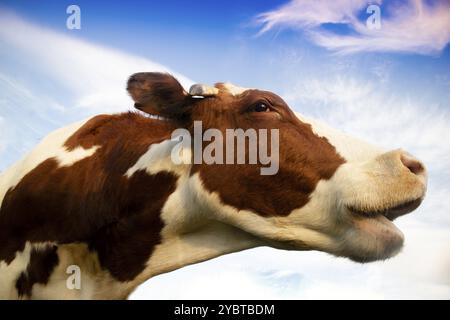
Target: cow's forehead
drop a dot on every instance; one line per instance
(231, 88)
(251, 93)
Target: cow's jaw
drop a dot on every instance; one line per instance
(327, 224)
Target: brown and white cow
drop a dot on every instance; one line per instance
(103, 194)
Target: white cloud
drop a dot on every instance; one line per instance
(307, 14)
(416, 26)
(96, 74)
(57, 79)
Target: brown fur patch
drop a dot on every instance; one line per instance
(41, 264)
(92, 201)
(304, 158)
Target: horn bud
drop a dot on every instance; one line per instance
(203, 90)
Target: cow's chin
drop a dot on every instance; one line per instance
(370, 239)
(373, 235)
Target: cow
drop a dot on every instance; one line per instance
(103, 200)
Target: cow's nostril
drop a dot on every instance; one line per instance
(415, 166)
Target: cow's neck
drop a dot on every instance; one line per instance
(190, 234)
(210, 241)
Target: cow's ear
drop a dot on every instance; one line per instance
(159, 94)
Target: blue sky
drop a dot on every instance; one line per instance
(195, 38)
(390, 87)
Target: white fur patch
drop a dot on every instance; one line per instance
(158, 158)
(52, 146)
(79, 255)
(234, 90)
(350, 148)
(192, 233)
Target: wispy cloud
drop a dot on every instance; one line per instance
(416, 26)
(56, 79)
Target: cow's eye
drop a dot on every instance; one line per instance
(260, 107)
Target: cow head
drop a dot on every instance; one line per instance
(331, 192)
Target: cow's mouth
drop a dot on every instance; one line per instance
(374, 236)
(390, 213)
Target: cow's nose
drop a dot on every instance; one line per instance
(414, 165)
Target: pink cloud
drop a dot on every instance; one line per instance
(413, 26)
